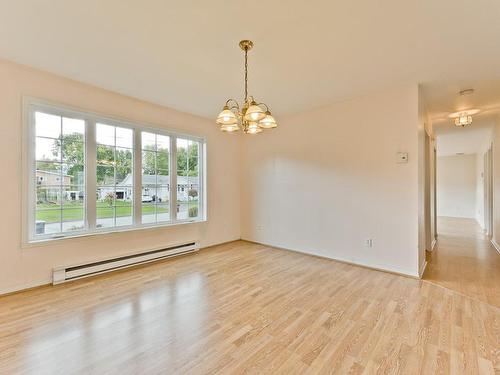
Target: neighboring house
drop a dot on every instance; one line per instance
(51, 178)
(45, 182)
(124, 189)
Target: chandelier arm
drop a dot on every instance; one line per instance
(265, 105)
(234, 106)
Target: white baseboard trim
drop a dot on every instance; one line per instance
(495, 245)
(422, 269)
(335, 259)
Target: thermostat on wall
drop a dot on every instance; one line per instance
(402, 157)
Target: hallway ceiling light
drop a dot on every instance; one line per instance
(463, 118)
(252, 117)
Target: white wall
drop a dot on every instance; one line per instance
(327, 179)
(24, 267)
(456, 186)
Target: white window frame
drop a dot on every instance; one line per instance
(31, 105)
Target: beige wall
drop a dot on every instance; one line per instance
(327, 180)
(456, 186)
(25, 267)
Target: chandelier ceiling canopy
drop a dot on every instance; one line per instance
(252, 117)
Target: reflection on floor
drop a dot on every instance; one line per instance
(243, 307)
(465, 261)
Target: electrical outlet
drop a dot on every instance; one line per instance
(369, 242)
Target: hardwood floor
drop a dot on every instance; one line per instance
(464, 260)
(247, 308)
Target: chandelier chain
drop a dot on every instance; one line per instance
(246, 74)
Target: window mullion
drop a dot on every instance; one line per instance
(137, 177)
(90, 174)
(173, 178)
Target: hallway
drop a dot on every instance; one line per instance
(465, 261)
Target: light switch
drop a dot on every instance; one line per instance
(402, 157)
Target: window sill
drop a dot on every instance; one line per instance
(47, 241)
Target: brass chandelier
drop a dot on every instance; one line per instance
(252, 117)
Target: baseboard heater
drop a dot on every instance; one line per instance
(68, 273)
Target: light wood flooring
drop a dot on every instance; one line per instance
(247, 308)
(464, 260)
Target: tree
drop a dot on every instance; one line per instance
(187, 160)
(192, 193)
(155, 162)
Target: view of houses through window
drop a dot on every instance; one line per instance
(60, 168)
(60, 173)
(114, 200)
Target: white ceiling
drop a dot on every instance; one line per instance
(184, 54)
(452, 140)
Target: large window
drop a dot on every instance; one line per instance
(88, 174)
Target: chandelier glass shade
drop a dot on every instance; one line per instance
(463, 120)
(252, 117)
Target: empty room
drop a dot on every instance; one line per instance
(265, 188)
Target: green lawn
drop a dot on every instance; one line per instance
(51, 213)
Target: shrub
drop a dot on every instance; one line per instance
(193, 211)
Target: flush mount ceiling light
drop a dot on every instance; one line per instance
(466, 92)
(252, 117)
(463, 118)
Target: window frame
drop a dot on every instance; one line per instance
(31, 105)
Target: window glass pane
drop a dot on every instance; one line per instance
(105, 175)
(73, 174)
(124, 166)
(59, 174)
(47, 221)
(148, 141)
(162, 212)
(105, 134)
(73, 129)
(123, 213)
(163, 143)
(193, 199)
(73, 196)
(105, 215)
(115, 177)
(72, 151)
(47, 173)
(48, 197)
(148, 212)
(181, 156)
(105, 155)
(73, 219)
(48, 149)
(149, 163)
(124, 137)
(182, 210)
(187, 179)
(47, 125)
(192, 164)
(162, 162)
